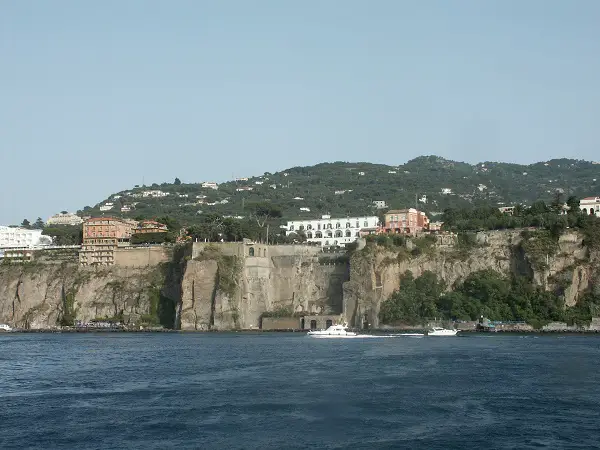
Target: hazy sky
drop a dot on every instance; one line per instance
(96, 96)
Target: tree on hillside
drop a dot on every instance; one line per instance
(573, 204)
(263, 212)
(26, 223)
(177, 182)
(39, 224)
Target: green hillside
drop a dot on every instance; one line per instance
(342, 188)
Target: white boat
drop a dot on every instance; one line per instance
(4, 327)
(334, 331)
(437, 331)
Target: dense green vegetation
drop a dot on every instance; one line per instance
(343, 188)
(64, 234)
(486, 293)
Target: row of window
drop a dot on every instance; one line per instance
(330, 234)
(329, 226)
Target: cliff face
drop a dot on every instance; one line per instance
(234, 285)
(37, 296)
(375, 272)
(280, 279)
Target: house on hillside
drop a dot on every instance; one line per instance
(332, 232)
(405, 221)
(590, 206)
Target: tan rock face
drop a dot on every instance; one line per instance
(293, 279)
(32, 296)
(376, 275)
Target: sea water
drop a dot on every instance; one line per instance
(246, 391)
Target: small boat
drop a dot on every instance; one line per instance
(437, 331)
(4, 327)
(334, 331)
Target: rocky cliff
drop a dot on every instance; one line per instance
(565, 265)
(41, 295)
(231, 286)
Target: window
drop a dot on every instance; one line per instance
(338, 233)
(337, 225)
(301, 228)
(366, 224)
(329, 234)
(291, 227)
(251, 251)
(329, 226)
(348, 233)
(309, 227)
(347, 224)
(357, 224)
(318, 234)
(309, 235)
(318, 226)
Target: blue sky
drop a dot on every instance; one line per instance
(97, 96)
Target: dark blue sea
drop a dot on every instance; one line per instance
(288, 391)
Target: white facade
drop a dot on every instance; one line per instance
(210, 185)
(13, 237)
(154, 194)
(590, 206)
(327, 231)
(64, 219)
(380, 204)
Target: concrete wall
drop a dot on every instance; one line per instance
(142, 256)
(280, 323)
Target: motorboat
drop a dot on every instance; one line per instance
(334, 331)
(437, 331)
(4, 327)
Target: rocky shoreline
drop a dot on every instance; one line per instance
(257, 331)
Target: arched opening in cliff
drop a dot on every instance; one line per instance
(313, 324)
(251, 251)
(302, 323)
(328, 323)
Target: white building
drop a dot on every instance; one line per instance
(327, 231)
(154, 194)
(13, 237)
(107, 206)
(446, 191)
(590, 206)
(64, 219)
(210, 185)
(380, 204)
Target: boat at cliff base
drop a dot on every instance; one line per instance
(334, 331)
(4, 327)
(438, 331)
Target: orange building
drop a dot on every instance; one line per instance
(405, 221)
(107, 230)
(101, 236)
(150, 226)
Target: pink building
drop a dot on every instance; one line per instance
(405, 221)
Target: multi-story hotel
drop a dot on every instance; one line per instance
(16, 237)
(405, 221)
(101, 236)
(331, 232)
